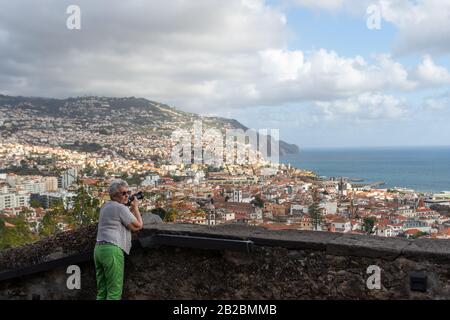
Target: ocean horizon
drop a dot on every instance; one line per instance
(424, 169)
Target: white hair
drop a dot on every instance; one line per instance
(115, 185)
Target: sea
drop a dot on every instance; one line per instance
(424, 169)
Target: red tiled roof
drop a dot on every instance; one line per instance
(412, 231)
(445, 231)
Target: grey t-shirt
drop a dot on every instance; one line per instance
(112, 225)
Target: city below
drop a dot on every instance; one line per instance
(58, 156)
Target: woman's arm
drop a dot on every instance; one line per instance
(138, 224)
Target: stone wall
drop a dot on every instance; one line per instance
(277, 265)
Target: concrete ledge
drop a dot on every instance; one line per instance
(436, 250)
(338, 244)
(185, 261)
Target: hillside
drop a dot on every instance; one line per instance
(138, 114)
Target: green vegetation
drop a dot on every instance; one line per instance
(23, 171)
(171, 215)
(315, 212)
(177, 178)
(160, 212)
(35, 204)
(49, 225)
(368, 224)
(258, 202)
(16, 233)
(418, 235)
(83, 147)
(84, 210)
(134, 179)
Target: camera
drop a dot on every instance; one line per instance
(139, 195)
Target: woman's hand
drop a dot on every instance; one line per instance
(138, 224)
(135, 203)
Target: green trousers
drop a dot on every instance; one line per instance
(109, 266)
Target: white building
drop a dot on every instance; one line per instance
(415, 224)
(342, 226)
(329, 206)
(31, 186)
(388, 231)
(298, 209)
(4, 189)
(68, 177)
(150, 180)
(237, 195)
(11, 179)
(226, 215)
(406, 212)
(14, 200)
(50, 184)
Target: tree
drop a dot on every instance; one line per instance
(418, 235)
(316, 215)
(101, 172)
(134, 179)
(15, 235)
(85, 208)
(368, 224)
(314, 211)
(35, 204)
(258, 202)
(160, 212)
(171, 215)
(49, 225)
(88, 170)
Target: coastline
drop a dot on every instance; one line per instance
(422, 169)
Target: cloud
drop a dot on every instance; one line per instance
(281, 64)
(365, 107)
(195, 55)
(438, 103)
(320, 4)
(324, 75)
(428, 73)
(176, 51)
(423, 25)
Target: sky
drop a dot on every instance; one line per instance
(317, 70)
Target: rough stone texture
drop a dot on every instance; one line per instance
(149, 218)
(283, 265)
(61, 245)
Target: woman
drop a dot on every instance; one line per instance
(113, 239)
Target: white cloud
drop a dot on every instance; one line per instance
(423, 24)
(281, 64)
(393, 74)
(365, 107)
(438, 103)
(324, 75)
(195, 55)
(428, 73)
(320, 4)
